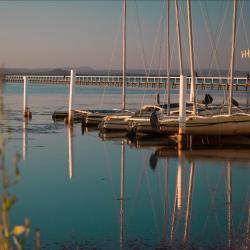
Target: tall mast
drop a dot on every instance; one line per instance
(182, 88)
(124, 57)
(191, 52)
(179, 37)
(168, 59)
(232, 58)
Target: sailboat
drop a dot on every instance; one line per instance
(125, 122)
(151, 124)
(218, 124)
(94, 117)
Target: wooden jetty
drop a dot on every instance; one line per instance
(143, 82)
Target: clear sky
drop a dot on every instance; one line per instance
(41, 34)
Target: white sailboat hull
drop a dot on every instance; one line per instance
(236, 124)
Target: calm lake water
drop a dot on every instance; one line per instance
(86, 192)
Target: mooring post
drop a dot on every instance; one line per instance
(182, 112)
(157, 98)
(26, 112)
(247, 104)
(71, 94)
(24, 95)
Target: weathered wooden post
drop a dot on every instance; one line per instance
(71, 95)
(26, 112)
(24, 94)
(157, 98)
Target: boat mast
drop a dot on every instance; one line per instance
(179, 37)
(191, 52)
(182, 87)
(168, 60)
(232, 58)
(124, 57)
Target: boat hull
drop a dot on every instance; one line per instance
(236, 124)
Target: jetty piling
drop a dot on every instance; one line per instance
(24, 93)
(157, 98)
(71, 95)
(26, 112)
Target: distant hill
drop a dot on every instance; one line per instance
(48, 71)
(91, 71)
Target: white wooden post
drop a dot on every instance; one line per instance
(71, 94)
(24, 95)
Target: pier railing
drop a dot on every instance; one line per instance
(154, 82)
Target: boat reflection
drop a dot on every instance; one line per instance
(210, 155)
(182, 208)
(229, 202)
(122, 196)
(189, 201)
(179, 198)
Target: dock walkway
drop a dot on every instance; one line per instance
(152, 82)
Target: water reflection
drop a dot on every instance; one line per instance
(182, 208)
(178, 193)
(70, 151)
(38, 239)
(195, 199)
(25, 138)
(122, 196)
(229, 202)
(189, 201)
(179, 203)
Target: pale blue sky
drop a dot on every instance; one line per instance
(38, 34)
